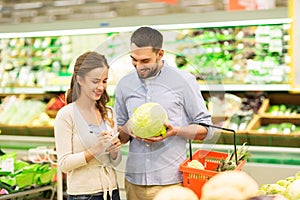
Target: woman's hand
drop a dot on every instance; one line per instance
(114, 148)
(103, 141)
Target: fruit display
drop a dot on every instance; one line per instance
(148, 120)
(55, 104)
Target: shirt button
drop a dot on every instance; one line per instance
(147, 145)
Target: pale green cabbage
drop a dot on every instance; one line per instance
(288, 187)
(148, 120)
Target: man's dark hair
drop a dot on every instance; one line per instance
(146, 36)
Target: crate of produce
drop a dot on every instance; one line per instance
(274, 131)
(43, 131)
(13, 129)
(281, 105)
(238, 122)
(195, 178)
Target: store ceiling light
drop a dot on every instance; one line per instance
(68, 2)
(32, 5)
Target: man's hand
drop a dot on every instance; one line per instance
(125, 133)
(171, 131)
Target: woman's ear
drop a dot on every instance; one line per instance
(79, 79)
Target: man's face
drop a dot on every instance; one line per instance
(145, 60)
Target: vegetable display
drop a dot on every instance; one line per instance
(288, 187)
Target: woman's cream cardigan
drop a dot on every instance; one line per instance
(72, 137)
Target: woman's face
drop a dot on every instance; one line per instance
(94, 83)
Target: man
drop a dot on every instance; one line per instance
(153, 163)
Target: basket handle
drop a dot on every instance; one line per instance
(221, 128)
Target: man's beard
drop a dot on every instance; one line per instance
(152, 72)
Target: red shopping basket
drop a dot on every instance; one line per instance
(195, 178)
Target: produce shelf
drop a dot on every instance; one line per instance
(31, 193)
(24, 142)
(245, 87)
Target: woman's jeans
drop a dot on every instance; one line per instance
(97, 196)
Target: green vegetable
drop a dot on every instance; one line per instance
(288, 187)
(148, 120)
(229, 163)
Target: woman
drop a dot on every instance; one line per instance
(84, 130)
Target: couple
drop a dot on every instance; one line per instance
(84, 129)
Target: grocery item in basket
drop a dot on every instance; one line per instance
(230, 185)
(148, 120)
(229, 163)
(195, 164)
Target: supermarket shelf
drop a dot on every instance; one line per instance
(32, 90)
(16, 90)
(24, 142)
(26, 193)
(245, 87)
(203, 87)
